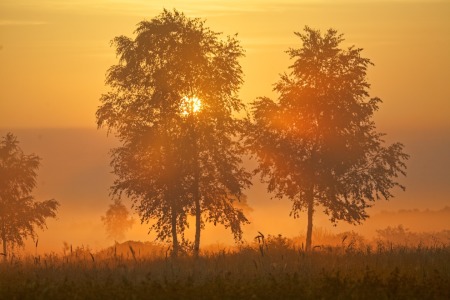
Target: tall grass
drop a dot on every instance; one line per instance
(279, 269)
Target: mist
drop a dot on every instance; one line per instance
(75, 171)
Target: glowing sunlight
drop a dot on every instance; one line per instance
(190, 105)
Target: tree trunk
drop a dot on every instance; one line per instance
(169, 164)
(174, 234)
(4, 247)
(175, 245)
(310, 200)
(196, 191)
(197, 227)
(197, 217)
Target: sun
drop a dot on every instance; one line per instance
(190, 105)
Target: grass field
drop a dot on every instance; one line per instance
(273, 270)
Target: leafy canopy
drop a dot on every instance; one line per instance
(318, 143)
(167, 157)
(20, 215)
(117, 220)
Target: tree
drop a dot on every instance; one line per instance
(317, 145)
(117, 220)
(20, 215)
(171, 104)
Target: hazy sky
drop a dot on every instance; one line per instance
(54, 56)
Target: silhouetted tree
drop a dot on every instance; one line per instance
(117, 220)
(19, 213)
(171, 104)
(317, 145)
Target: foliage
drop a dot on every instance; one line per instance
(117, 220)
(317, 145)
(20, 215)
(172, 163)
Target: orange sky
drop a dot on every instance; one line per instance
(54, 55)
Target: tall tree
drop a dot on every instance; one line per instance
(117, 220)
(171, 104)
(318, 145)
(20, 215)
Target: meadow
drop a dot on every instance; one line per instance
(270, 268)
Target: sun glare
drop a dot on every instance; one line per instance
(190, 105)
